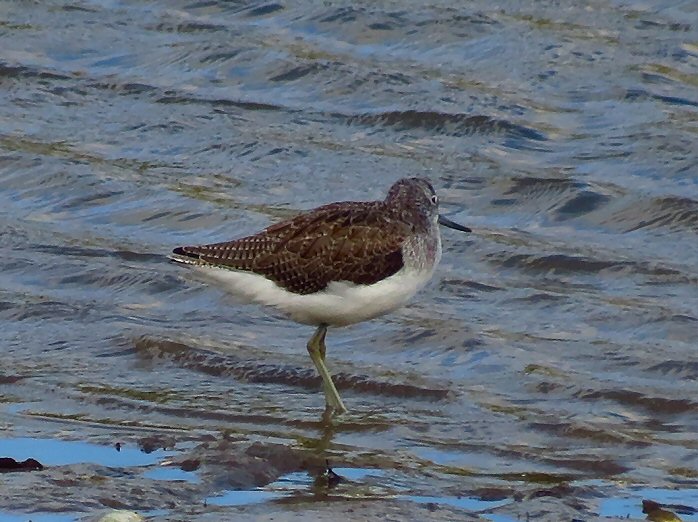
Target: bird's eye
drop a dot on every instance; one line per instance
(434, 199)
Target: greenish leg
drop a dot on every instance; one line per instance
(317, 350)
(323, 348)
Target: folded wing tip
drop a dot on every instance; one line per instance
(183, 255)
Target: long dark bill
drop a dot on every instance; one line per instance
(452, 224)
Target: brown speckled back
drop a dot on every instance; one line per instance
(359, 242)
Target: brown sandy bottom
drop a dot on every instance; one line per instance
(215, 479)
(229, 478)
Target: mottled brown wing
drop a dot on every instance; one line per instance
(338, 242)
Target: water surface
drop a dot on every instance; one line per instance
(550, 366)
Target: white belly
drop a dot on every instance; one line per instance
(340, 304)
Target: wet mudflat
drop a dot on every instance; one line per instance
(550, 369)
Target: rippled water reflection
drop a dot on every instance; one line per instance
(552, 360)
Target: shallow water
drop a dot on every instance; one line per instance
(551, 360)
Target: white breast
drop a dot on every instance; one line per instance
(340, 304)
